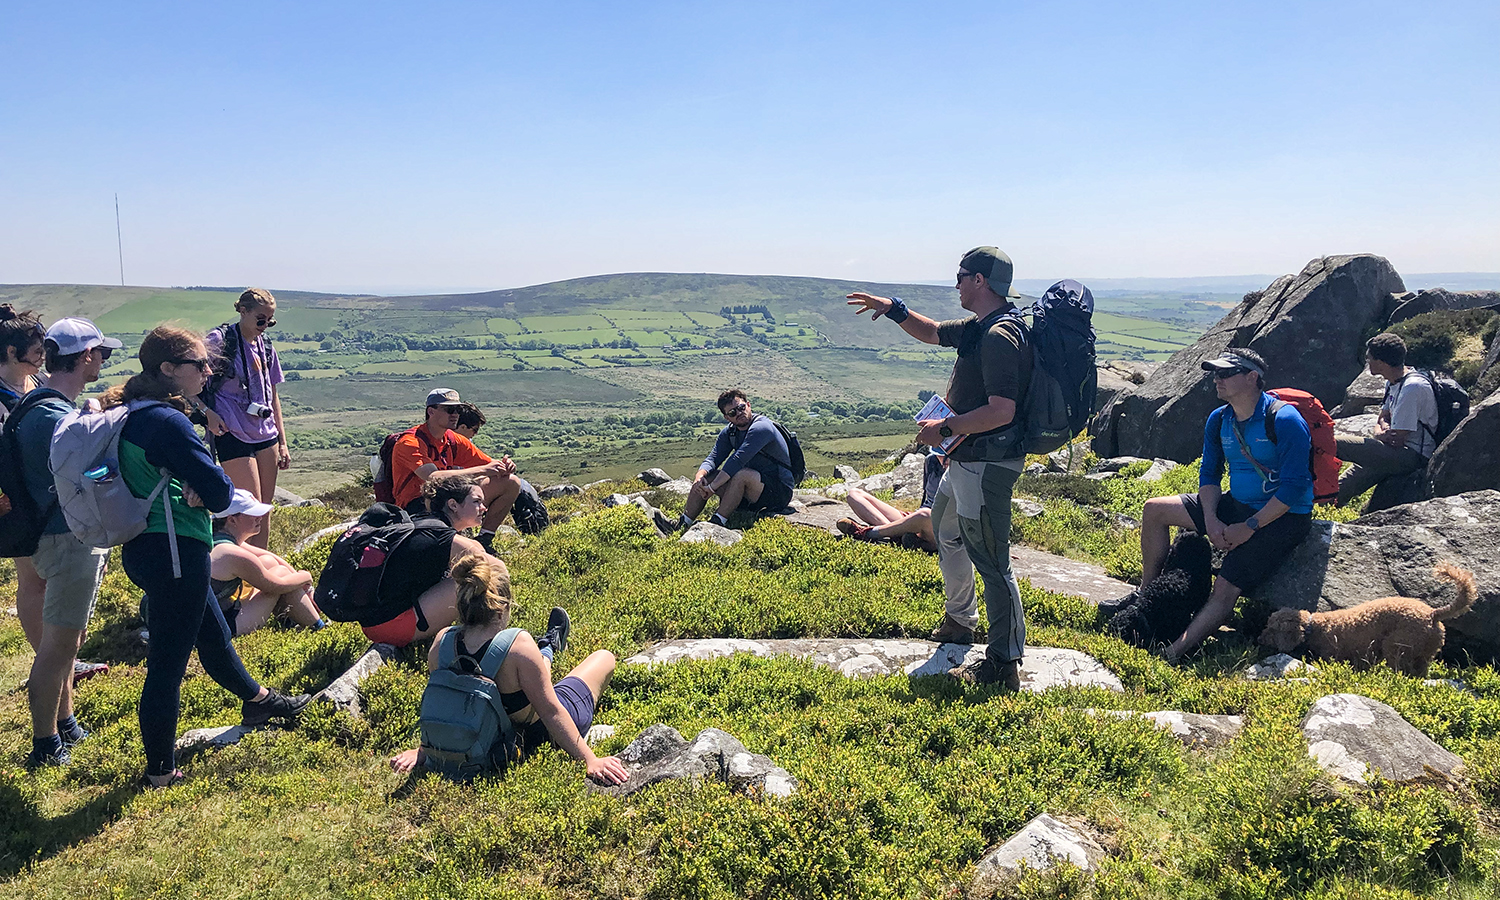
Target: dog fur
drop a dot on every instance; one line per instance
(1403, 631)
(1167, 605)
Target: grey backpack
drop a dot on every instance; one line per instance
(465, 729)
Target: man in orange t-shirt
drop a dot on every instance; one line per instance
(434, 447)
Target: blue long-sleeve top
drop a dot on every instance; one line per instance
(160, 437)
(1288, 460)
(760, 447)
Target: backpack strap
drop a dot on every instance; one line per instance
(499, 648)
(1271, 411)
(1267, 476)
(448, 648)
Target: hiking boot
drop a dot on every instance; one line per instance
(487, 541)
(558, 627)
(664, 523)
(951, 632)
(1006, 675)
(83, 671)
(47, 756)
(276, 705)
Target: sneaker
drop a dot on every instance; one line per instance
(951, 632)
(1006, 675)
(558, 627)
(487, 541)
(75, 733)
(39, 757)
(176, 778)
(276, 705)
(847, 526)
(83, 671)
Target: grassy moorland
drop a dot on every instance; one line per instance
(903, 783)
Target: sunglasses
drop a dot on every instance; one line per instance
(106, 352)
(735, 410)
(202, 364)
(263, 322)
(1223, 374)
(961, 276)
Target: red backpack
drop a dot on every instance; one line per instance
(1325, 460)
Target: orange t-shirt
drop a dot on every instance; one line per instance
(415, 449)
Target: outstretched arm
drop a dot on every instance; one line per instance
(915, 324)
(535, 676)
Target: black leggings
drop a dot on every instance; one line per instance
(180, 614)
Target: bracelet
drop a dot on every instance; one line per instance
(898, 311)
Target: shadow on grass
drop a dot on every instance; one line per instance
(28, 837)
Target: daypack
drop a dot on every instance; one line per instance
(223, 367)
(1452, 403)
(1323, 459)
(465, 729)
(1060, 397)
(349, 585)
(794, 453)
(529, 513)
(85, 461)
(21, 525)
(380, 467)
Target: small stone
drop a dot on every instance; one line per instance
(600, 483)
(614, 500)
(1040, 844)
(848, 474)
(1028, 508)
(1114, 464)
(1277, 666)
(708, 532)
(1159, 467)
(598, 733)
(343, 692)
(552, 492)
(205, 738)
(654, 477)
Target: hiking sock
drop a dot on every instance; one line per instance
(487, 541)
(47, 751)
(69, 731)
(319, 625)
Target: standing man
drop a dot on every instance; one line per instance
(75, 352)
(1268, 510)
(749, 468)
(971, 514)
(1405, 431)
(433, 447)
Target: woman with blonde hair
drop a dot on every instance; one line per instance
(539, 709)
(158, 440)
(249, 437)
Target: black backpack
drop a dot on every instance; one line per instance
(349, 585)
(223, 369)
(529, 513)
(1452, 403)
(21, 525)
(794, 453)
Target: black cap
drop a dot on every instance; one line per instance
(996, 268)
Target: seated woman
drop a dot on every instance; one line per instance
(886, 522)
(252, 584)
(537, 708)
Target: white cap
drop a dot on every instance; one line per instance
(75, 335)
(244, 503)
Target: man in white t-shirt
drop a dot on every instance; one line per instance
(1405, 431)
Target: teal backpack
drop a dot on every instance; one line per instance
(465, 730)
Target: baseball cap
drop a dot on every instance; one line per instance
(443, 397)
(996, 268)
(1227, 360)
(244, 503)
(75, 335)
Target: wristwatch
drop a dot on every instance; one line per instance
(944, 430)
(1254, 523)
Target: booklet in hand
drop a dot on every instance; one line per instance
(937, 408)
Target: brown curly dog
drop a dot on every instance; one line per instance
(1403, 631)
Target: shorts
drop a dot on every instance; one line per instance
(773, 495)
(577, 699)
(398, 632)
(1252, 562)
(73, 571)
(230, 447)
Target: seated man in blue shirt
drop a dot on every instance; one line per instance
(1268, 510)
(749, 468)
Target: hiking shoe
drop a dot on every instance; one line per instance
(664, 523)
(276, 705)
(73, 735)
(558, 627)
(847, 526)
(176, 778)
(83, 671)
(1006, 675)
(951, 632)
(487, 541)
(39, 757)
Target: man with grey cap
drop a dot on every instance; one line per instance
(971, 513)
(1268, 510)
(433, 446)
(75, 350)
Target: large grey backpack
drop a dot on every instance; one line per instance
(465, 729)
(85, 461)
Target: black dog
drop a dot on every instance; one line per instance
(1160, 612)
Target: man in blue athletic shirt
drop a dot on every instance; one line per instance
(1268, 510)
(750, 466)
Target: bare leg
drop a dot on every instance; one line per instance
(870, 510)
(693, 507)
(439, 605)
(500, 495)
(245, 473)
(595, 671)
(255, 611)
(1213, 614)
(265, 466)
(31, 590)
(745, 485)
(49, 689)
(300, 607)
(1160, 515)
(918, 523)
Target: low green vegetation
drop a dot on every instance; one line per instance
(902, 783)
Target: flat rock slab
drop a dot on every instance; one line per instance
(207, 738)
(1355, 738)
(343, 691)
(1196, 730)
(661, 754)
(1040, 844)
(1042, 669)
(1060, 575)
(709, 533)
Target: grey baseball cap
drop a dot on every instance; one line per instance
(996, 268)
(443, 397)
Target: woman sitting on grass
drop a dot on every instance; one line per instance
(539, 709)
(886, 522)
(252, 584)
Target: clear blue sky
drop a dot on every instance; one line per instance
(474, 145)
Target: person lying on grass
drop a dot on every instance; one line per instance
(252, 584)
(880, 521)
(539, 709)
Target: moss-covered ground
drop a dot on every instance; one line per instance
(903, 784)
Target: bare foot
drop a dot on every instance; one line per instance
(404, 762)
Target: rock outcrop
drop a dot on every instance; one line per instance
(553, 491)
(661, 754)
(1310, 327)
(1391, 553)
(1040, 844)
(1469, 458)
(1433, 299)
(654, 477)
(343, 691)
(1356, 738)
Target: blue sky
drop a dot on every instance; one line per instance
(455, 145)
